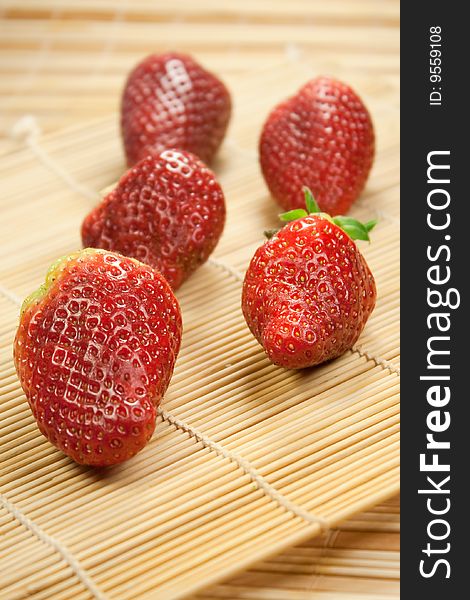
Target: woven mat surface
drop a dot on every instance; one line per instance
(188, 512)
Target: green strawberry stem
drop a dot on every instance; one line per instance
(52, 274)
(354, 228)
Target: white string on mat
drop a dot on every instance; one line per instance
(227, 268)
(27, 130)
(380, 362)
(247, 468)
(58, 546)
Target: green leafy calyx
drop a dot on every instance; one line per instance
(354, 228)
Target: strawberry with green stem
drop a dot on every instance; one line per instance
(308, 291)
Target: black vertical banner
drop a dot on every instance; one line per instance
(435, 317)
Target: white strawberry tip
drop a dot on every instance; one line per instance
(354, 228)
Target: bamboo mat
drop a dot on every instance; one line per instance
(201, 502)
(359, 560)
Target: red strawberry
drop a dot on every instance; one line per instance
(95, 351)
(323, 138)
(170, 101)
(308, 291)
(168, 211)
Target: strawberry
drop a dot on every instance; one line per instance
(167, 211)
(322, 137)
(308, 291)
(95, 351)
(170, 101)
